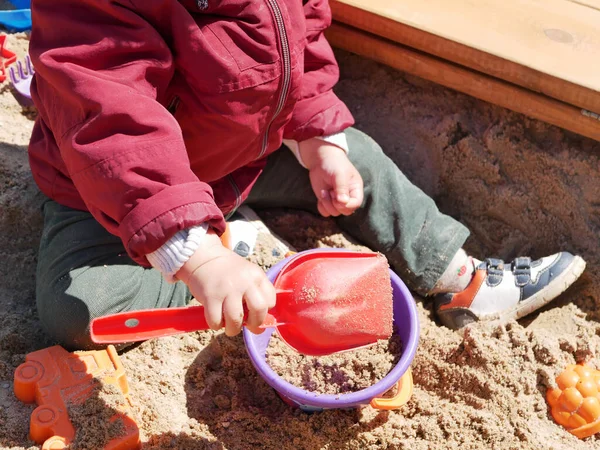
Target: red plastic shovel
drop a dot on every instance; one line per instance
(327, 302)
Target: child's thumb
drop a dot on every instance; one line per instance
(341, 189)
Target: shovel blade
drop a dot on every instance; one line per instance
(338, 301)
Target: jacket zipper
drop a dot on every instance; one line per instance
(287, 75)
(238, 195)
(287, 71)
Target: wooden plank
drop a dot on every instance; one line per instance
(470, 82)
(553, 50)
(591, 3)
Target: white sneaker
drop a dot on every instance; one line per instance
(242, 232)
(504, 292)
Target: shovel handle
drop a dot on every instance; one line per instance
(403, 394)
(133, 326)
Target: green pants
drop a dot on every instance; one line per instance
(84, 272)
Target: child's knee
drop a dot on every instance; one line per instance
(65, 319)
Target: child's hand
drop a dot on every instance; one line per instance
(223, 281)
(334, 179)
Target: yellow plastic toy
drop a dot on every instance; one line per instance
(575, 403)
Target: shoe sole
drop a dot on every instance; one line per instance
(546, 295)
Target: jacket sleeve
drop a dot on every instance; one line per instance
(319, 112)
(100, 70)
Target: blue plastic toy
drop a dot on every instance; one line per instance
(17, 19)
(21, 4)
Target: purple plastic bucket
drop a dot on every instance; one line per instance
(407, 324)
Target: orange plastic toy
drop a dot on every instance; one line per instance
(53, 378)
(575, 403)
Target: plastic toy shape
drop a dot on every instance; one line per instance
(21, 4)
(54, 378)
(575, 403)
(18, 19)
(6, 58)
(21, 77)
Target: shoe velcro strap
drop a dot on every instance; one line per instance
(495, 271)
(523, 262)
(521, 268)
(494, 263)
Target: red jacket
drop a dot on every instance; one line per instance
(156, 115)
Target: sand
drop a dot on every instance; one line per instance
(521, 186)
(92, 418)
(340, 373)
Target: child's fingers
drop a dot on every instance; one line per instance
(343, 209)
(322, 209)
(341, 195)
(233, 312)
(357, 194)
(353, 204)
(341, 191)
(355, 200)
(268, 291)
(257, 309)
(213, 311)
(331, 210)
(326, 204)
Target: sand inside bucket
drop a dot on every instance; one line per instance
(340, 373)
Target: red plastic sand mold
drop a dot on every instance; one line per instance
(6, 58)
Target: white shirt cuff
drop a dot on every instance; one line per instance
(174, 253)
(337, 139)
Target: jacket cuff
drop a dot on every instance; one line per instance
(173, 254)
(153, 221)
(323, 115)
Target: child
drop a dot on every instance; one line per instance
(158, 118)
